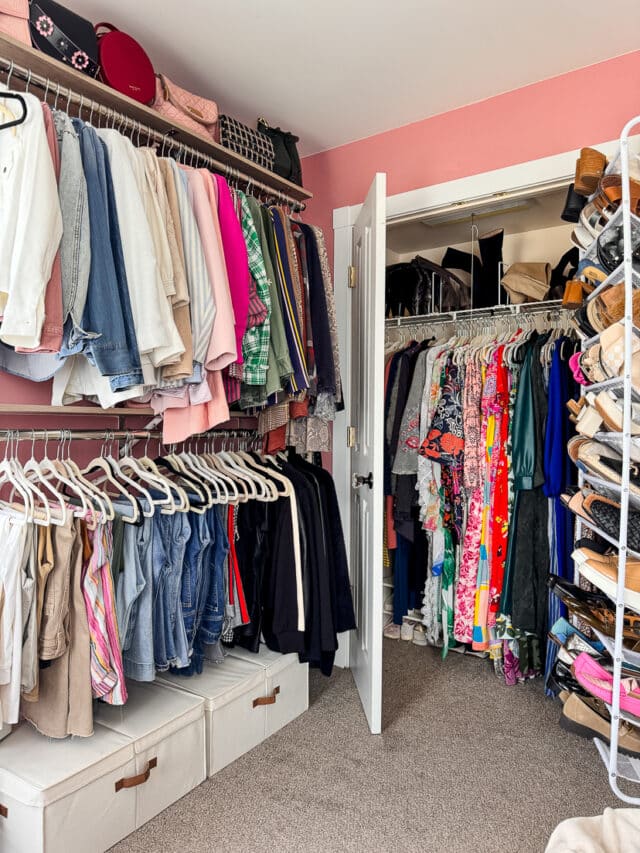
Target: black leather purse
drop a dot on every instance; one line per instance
(287, 159)
(422, 287)
(65, 36)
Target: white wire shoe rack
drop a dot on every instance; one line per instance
(620, 766)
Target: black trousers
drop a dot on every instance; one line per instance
(531, 563)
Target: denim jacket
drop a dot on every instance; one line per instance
(75, 249)
(107, 313)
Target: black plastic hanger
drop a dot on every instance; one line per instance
(161, 462)
(14, 96)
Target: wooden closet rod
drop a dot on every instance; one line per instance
(114, 117)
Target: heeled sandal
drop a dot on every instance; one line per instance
(576, 369)
(592, 417)
(593, 219)
(590, 168)
(575, 293)
(593, 608)
(609, 196)
(599, 682)
(610, 410)
(574, 502)
(609, 308)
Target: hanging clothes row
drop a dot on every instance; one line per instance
(132, 566)
(474, 426)
(132, 277)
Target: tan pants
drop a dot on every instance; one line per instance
(45, 567)
(64, 705)
(53, 638)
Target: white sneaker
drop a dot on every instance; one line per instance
(420, 635)
(476, 654)
(406, 632)
(392, 631)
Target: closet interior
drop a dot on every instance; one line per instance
(173, 558)
(455, 438)
(526, 225)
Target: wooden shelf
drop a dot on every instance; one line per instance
(26, 409)
(237, 420)
(93, 90)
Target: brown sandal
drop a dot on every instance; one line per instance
(610, 194)
(575, 292)
(589, 170)
(608, 308)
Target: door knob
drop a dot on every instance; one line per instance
(359, 480)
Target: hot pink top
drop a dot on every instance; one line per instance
(235, 253)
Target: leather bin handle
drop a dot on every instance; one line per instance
(4, 811)
(140, 779)
(267, 700)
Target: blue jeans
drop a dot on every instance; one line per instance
(171, 534)
(213, 612)
(193, 579)
(131, 583)
(160, 564)
(138, 654)
(401, 580)
(107, 311)
(211, 601)
(176, 636)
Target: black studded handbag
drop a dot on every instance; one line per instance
(60, 33)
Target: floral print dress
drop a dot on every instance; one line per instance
(444, 443)
(473, 482)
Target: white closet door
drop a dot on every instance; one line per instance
(367, 416)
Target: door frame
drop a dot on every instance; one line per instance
(522, 177)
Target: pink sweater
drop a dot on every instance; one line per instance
(235, 253)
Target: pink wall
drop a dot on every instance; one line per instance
(584, 107)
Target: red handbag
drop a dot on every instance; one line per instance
(124, 64)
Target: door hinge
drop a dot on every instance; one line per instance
(351, 436)
(353, 277)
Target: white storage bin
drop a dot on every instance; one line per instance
(263, 658)
(59, 796)
(167, 728)
(287, 684)
(234, 692)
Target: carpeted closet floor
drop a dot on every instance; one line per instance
(465, 765)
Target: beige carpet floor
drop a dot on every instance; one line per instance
(465, 765)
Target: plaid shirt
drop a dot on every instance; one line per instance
(255, 343)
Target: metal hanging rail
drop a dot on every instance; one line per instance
(13, 435)
(64, 435)
(554, 305)
(167, 138)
